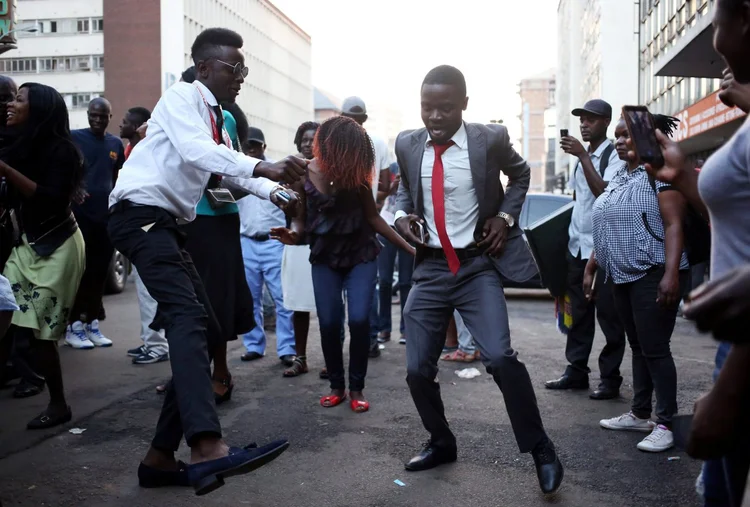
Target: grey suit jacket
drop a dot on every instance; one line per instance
(490, 152)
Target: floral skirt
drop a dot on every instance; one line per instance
(45, 287)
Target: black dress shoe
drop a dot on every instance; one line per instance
(430, 457)
(251, 356)
(567, 382)
(149, 477)
(288, 360)
(208, 476)
(374, 352)
(44, 420)
(549, 470)
(605, 393)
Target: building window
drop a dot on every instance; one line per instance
(48, 27)
(83, 26)
(19, 66)
(99, 63)
(79, 100)
(97, 25)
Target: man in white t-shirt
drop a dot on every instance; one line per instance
(355, 108)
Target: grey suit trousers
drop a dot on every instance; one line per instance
(476, 291)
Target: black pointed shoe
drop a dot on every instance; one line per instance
(149, 477)
(549, 470)
(431, 456)
(605, 393)
(567, 382)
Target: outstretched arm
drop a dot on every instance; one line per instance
(378, 224)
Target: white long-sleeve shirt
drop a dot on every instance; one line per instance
(171, 167)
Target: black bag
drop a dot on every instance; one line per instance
(46, 243)
(696, 230)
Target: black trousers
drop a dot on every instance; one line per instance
(99, 252)
(150, 238)
(477, 293)
(649, 328)
(581, 334)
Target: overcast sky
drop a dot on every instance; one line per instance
(381, 49)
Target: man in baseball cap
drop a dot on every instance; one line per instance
(596, 165)
(255, 144)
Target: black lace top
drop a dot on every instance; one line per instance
(336, 229)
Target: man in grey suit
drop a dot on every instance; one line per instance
(452, 205)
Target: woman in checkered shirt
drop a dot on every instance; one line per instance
(638, 242)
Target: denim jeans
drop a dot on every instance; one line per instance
(328, 284)
(649, 329)
(386, 264)
(465, 340)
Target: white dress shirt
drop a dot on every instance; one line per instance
(382, 162)
(581, 231)
(171, 167)
(461, 204)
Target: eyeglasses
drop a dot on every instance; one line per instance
(237, 68)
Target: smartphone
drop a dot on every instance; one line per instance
(418, 230)
(563, 132)
(284, 196)
(642, 131)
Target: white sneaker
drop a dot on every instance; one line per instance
(627, 422)
(75, 337)
(659, 440)
(95, 336)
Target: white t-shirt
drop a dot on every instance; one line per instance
(382, 162)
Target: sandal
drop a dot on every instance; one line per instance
(332, 400)
(228, 387)
(459, 356)
(299, 367)
(359, 406)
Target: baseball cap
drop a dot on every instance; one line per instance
(353, 106)
(254, 134)
(597, 107)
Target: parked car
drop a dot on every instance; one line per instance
(536, 207)
(119, 270)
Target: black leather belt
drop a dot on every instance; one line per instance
(123, 205)
(260, 237)
(462, 253)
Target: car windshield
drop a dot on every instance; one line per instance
(540, 206)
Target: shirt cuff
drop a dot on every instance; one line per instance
(248, 164)
(266, 187)
(399, 214)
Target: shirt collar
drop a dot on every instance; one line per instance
(601, 148)
(459, 138)
(210, 99)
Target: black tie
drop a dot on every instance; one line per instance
(219, 124)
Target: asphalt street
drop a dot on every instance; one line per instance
(338, 458)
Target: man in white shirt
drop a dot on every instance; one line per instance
(165, 177)
(596, 166)
(354, 108)
(262, 258)
(450, 186)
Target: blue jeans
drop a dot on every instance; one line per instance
(465, 340)
(328, 284)
(386, 263)
(263, 265)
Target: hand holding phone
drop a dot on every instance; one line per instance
(642, 132)
(563, 133)
(418, 230)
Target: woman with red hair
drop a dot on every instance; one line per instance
(339, 220)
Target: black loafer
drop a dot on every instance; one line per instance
(26, 389)
(430, 457)
(605, 393)
(251, 356)
(209, 476)
(288, 360)
(44, 421)
(567, 382)
(549, 470)
(149, 477)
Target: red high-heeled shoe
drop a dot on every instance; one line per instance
(359, 406)
(332, 400)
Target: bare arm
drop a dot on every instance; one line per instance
(672, 207)
(384, 186)
(379, 225)
(593, 178)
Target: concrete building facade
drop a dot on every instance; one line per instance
(147, 46)
(680, 72)
(597, 58)
(537, 96)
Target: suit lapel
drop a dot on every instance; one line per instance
(478, 161)
(415, 167)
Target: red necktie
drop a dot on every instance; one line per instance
(438, 204)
